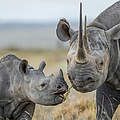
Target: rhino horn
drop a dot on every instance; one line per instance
(42, 66)
(85, 27)
(60, 74)
(85, 36)
(81, 56)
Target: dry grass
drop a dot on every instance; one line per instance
(78, 106)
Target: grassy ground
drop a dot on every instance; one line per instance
(78, 106)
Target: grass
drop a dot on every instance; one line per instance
(78, 106)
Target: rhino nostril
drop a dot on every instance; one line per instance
(58, 87)
(89, 79)
(43, 85)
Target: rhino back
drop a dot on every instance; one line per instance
(109, 17)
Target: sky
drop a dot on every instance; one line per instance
(49, 10)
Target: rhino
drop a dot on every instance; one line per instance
(21, 87)
(93, 61)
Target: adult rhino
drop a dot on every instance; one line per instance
(21, 87)
(93, 60)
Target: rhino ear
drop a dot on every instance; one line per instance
(23, 67)
(63, 31)
(114, 32)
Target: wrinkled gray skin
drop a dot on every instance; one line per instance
(21, 87)
(101, 67)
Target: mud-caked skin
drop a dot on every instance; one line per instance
(21, 87)
(93, 58)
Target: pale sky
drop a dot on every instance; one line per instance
(49, 10)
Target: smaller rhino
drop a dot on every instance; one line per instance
(21, 87)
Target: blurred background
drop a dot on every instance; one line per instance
(28, 30)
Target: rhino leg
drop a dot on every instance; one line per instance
(26, 113)
(107, 100)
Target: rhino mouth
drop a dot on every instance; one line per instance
(79, 83)
(82, 84)
(60, 94)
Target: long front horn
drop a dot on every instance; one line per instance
(80, 28)
(81, 52)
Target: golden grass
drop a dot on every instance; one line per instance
(78, 106)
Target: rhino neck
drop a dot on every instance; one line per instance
(115, 81)
(97, 25)
(17, 83)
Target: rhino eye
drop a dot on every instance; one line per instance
(43, 85)
(100, 64)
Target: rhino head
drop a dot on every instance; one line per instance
(41, 89)
(88, 58)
